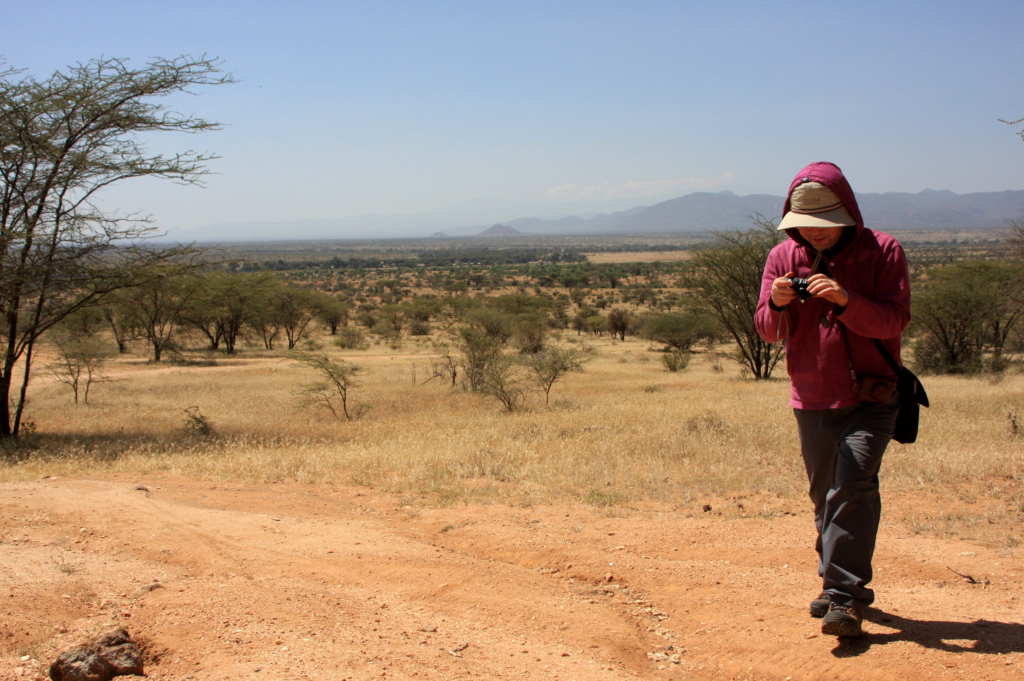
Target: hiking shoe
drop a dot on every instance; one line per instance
(842, 620)
(819, 606)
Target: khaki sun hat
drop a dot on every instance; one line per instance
(812, 204)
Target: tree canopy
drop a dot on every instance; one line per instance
(63, 140)
(726, 280)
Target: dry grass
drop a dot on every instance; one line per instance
(624, 431)
(638, 256)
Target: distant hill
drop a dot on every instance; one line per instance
(439, 235)
(697, 212)
(501, 230)
(703, 211)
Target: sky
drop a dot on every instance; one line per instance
(551, 108)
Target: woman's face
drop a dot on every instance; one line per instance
(821, 238)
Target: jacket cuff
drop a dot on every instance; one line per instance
(773, 306)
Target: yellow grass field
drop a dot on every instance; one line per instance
(640, 256)
(623, 432)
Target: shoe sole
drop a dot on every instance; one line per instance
(840, 628)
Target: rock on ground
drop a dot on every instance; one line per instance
(109, 655)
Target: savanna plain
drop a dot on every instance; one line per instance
(641, 523)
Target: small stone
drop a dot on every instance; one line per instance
(429, 628)
(609, 577)
(145, 589)
(140, 488)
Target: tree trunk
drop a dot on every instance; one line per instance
(5, 405)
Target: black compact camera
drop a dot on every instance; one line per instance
(800, 287)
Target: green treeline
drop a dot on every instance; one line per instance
(426, 258)
(966, 315)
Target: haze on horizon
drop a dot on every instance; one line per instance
(544, 109)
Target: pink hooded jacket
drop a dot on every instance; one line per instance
(873, 269)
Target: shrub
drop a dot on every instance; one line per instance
(676, 360)
(504, 380)
(551, 365)
(934, 357)
(679, 331)
(479, 352)
(350, 339)
(196, 424)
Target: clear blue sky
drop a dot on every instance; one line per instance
(346, 108)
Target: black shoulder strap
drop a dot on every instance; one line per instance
(887, 355)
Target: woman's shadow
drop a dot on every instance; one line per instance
(983, 637)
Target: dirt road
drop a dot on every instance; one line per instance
(318, 582)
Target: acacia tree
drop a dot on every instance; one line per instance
(235, 299)
(158, 307)
(551, 365)
(295, 309)
(121, 324)
(620, 322)
(202, 313)
(337, 379)
(332, 312)
(726, 279)
(79, 360)
(63, 140)
(951, 311)
(967, 309)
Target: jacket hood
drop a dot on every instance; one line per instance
(832, 177)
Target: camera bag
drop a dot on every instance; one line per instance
(911, 397)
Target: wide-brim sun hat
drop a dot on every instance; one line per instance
(812, 204)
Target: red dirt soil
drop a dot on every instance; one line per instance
(286, 581)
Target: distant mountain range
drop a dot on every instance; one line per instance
(697, 212)
(501, 230)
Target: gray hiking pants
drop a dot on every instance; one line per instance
(842, 451)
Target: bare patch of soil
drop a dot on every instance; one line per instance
(285, 581)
